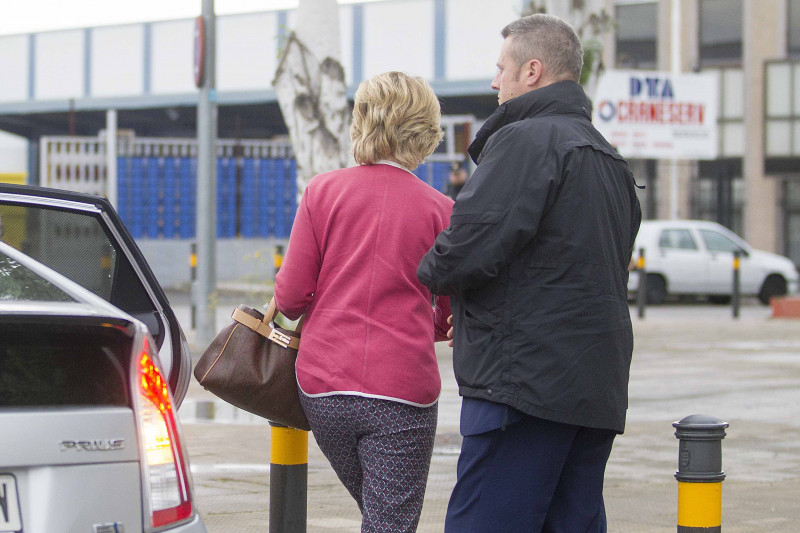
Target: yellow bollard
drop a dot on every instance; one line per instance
(277, 258)
(700, 473)
(288, 479)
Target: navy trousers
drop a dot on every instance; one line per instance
(532, 476)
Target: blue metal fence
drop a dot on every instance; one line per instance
(256, 196)
(434, 173)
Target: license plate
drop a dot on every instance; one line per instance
(10, 519)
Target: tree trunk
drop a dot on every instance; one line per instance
(590, 20)
(310, 86)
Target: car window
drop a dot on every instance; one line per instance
(82, 237)
(62, 365)
(717, 242)
(19, 283)
(76, 245)
(680, 239)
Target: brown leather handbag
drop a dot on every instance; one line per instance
(250, 364)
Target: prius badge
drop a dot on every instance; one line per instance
(96, 445)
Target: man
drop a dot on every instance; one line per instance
(535, 261)
(456, 181)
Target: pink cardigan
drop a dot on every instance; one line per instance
(351, 267)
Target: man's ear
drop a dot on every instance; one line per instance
(533, 73)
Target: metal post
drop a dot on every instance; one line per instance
(205, 47)
(700, 473)
(736, 295)
(288, 479)
(111, 157)
(641, 292)
(675, 69)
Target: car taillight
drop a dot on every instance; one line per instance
(164, 467)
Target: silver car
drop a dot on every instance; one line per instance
(93, 366)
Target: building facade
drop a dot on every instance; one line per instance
(65, 82)
(753, 185)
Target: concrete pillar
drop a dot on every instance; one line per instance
(762, 21)
(687, 61)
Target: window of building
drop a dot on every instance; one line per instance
(718, 193)
(637, 32)
(792, 224)
(720, 32)
(794, 27)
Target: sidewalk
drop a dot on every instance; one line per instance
(688, 359)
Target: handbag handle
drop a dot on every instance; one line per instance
(264, 326)
(272, 312)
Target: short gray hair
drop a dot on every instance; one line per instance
(549, 39)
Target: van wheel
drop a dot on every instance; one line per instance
(774, 285)
(656, 289)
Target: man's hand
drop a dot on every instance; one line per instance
(450, 331)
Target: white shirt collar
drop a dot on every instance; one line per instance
(392, 163)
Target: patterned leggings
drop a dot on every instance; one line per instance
(381, 450)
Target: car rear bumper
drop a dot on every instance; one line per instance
(195, 526)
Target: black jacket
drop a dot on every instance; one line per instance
(536, 263)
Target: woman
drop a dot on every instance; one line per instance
(367, 371)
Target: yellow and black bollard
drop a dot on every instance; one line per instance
(193, 278)
(736, 299)
(641, 291)
(277, 257)
(288, 479)
(700, 473)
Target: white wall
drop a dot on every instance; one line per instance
(59, 65)
(346, 40)
(399, 36)
(247, 51)
(473, 36)
(14, 61)
(173, 57)
(13, 154)
(117, 59)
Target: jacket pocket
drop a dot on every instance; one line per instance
(477, 358)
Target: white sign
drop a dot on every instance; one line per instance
(657, 115)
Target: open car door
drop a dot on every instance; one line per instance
(82, 237)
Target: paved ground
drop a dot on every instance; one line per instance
(688, 359)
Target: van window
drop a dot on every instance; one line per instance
(680, 239)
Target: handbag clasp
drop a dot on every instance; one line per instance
(280, 338)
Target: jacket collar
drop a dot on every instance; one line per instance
(561, 98)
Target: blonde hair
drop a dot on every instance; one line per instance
(395, 116)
